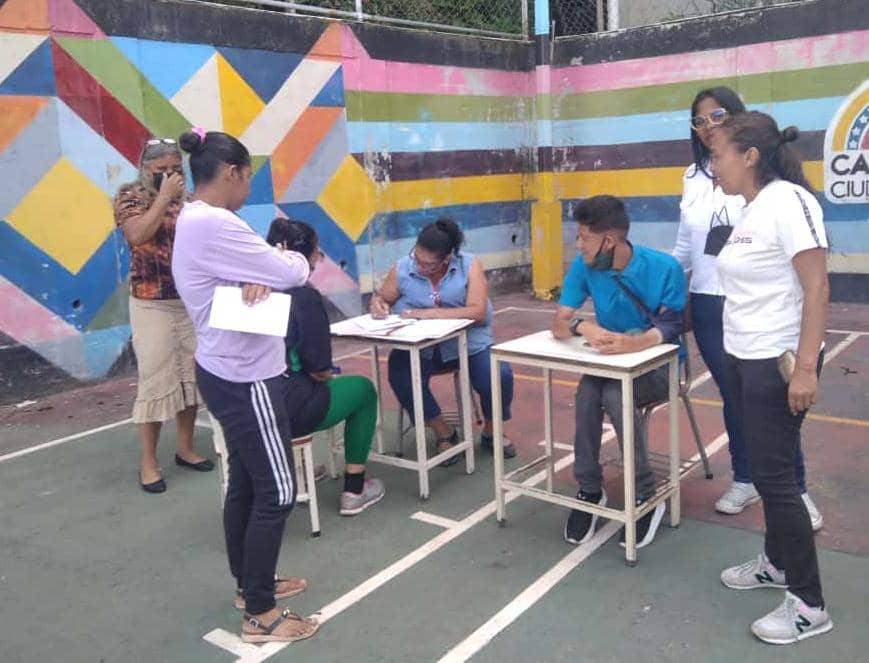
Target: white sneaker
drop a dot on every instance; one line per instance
(792, 621)
(754, 574)
(737, 497)
(814, 514)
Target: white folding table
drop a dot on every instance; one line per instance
(415, 338)
(542, 350)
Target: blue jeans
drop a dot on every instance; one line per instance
(707, 312)
(481, 380)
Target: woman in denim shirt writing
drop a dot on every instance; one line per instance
(438, 281)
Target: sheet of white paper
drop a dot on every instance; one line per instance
(269, 317)
(369, 324)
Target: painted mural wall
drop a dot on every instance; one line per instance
(367, 148)
(621, 111)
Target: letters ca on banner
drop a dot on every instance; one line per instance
(846, 151)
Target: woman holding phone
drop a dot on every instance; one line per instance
(163, 338)
(773, 271)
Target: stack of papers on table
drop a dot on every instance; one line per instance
(411, 331)
(367, 323)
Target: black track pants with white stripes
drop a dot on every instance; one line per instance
(262, 483)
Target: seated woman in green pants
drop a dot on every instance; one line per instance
(319, 399)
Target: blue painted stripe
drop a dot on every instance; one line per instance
(478, 241)
(541, 17)
(168, 65)
(438, 136)
(400, 225)
(333, 240)
(49, 283)
(807, 114)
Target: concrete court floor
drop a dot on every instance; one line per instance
(92, 569)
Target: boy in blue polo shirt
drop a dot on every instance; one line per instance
(638, 295)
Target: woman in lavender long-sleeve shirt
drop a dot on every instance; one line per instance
(241, 377)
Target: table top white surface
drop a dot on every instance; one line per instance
(420, 331)
(544, 346)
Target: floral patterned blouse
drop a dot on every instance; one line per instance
(151, 261)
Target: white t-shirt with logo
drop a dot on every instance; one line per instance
(703, 206)
(764, 298)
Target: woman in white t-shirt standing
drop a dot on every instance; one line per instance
(773, 272)
(706, 215)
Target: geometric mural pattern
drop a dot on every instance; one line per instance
(77, 106)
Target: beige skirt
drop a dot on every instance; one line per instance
(164, 342)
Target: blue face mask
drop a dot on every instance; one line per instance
(603, 260)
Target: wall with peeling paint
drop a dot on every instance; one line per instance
(621, 106)
(367, 133)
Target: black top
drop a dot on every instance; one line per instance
(309, 350)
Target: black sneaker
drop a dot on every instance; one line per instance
(579, 527)
(647, 526)
(487, 442)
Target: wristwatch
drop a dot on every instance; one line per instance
(574, 324)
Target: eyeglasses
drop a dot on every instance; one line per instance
(713, 119)
(426, 267)
(159, 141)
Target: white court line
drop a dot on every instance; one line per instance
(852, 336)
(847, 331)
(433, 519)
(533, 593)
(522, 309)
(62, 440)
(230, 642)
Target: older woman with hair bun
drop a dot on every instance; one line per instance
(163, 338)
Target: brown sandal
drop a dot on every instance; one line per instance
(297, 586)
(267, 631)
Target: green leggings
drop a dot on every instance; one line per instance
(354, 400)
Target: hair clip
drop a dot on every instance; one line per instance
(199, 131)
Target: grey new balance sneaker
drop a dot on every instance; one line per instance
(753, 575)
(792, 621)
(372, 492)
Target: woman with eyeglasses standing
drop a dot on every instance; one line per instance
(707, 216)
(438, 281)
(163, 338)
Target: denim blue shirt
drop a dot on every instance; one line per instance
(417, 291)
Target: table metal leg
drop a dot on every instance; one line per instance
(498, 439)
(419, 423)
(547, 426)
(675, 499)
(467, 404)
(375, 376)
(629, 474)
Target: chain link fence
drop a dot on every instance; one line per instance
(576, 17)
(503, 18)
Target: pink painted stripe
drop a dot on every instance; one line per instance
(785, 55)
(364, 73)
(27, 321)
(329, 278)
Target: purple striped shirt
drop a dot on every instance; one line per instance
(215, 247)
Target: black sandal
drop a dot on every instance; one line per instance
(452, 440)
(267, 630)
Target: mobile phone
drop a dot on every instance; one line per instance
(787, 362)
(158, 180)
